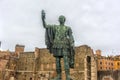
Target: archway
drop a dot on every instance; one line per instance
(107, 78)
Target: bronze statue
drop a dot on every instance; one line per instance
(60, 43)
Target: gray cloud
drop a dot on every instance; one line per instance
(94, 22)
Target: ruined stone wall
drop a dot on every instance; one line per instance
(40, 65)
(46, 61)
(26, 61)
(85, 63)
(25, 66)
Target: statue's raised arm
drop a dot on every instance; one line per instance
(43, 18)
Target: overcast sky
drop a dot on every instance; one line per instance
(94, 22)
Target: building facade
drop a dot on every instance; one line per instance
(104, 63)
(108, 67)
(117, 62)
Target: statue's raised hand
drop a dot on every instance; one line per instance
(43, 18)
(43, 14)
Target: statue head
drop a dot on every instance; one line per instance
(62, 19)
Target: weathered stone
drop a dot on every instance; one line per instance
(40, 65)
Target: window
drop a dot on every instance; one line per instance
(88, 59)
(112, 64)
(118, 64)
(100, 62)
(30, 78)
(25, 68)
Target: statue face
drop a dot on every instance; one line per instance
(62, 19)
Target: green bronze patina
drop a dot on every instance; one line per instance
(60, 42)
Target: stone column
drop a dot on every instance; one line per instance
(93, 69)
(85, 65)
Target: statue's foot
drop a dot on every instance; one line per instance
(71, 65)
(56, 78)
(68, 78)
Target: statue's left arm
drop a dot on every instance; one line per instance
(71, 39)
(72, 48)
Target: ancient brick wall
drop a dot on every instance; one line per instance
(85, 64)
(41, 65)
